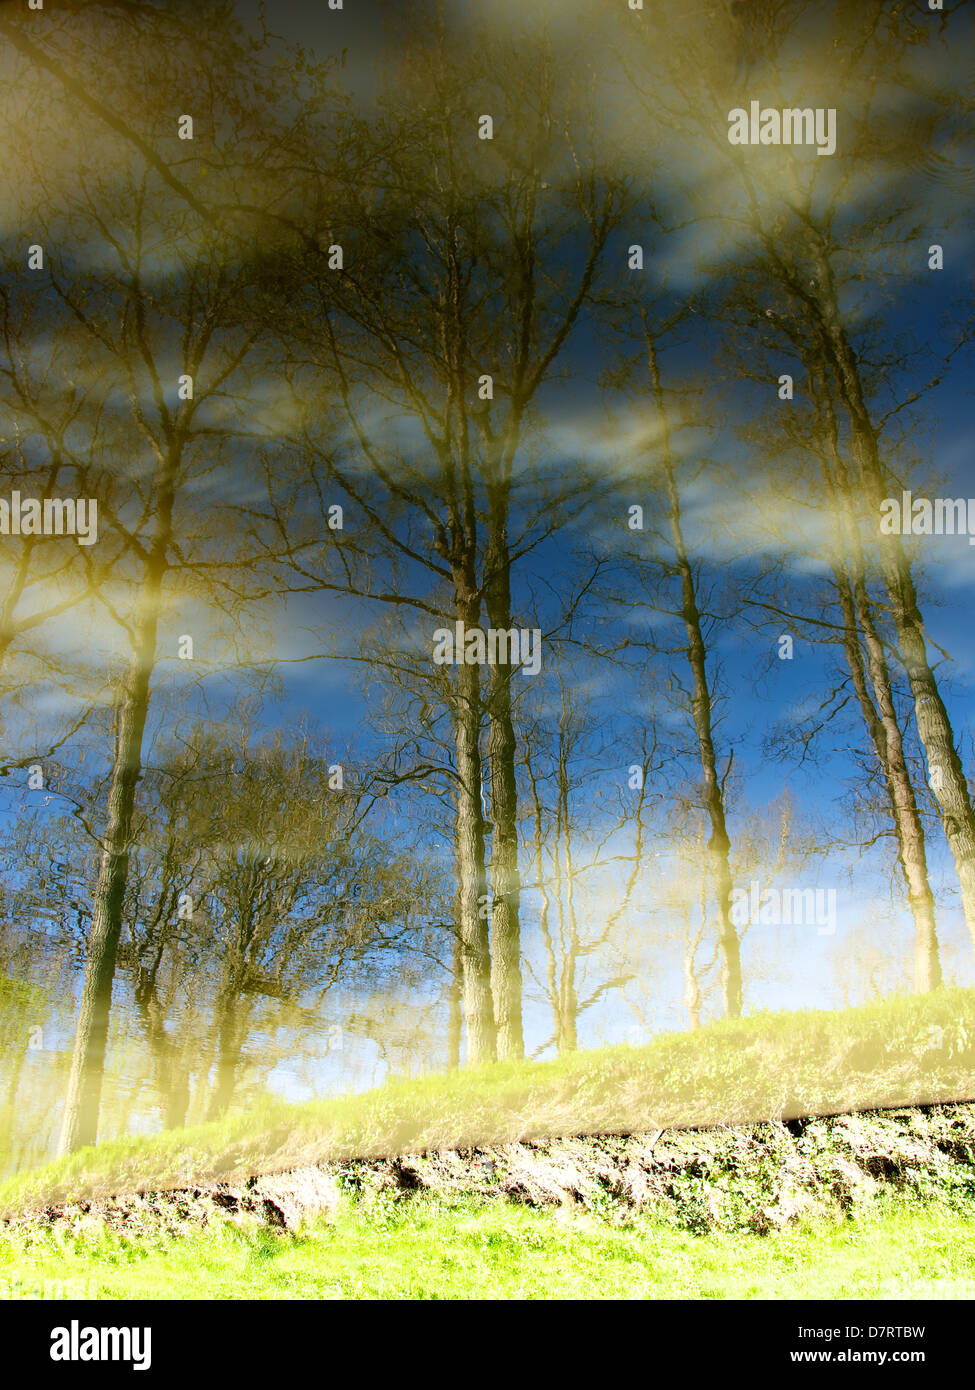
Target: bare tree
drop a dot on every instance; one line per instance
(453, 352)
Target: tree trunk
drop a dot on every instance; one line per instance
(543, 916)
(177, 1096)
(885, 736)
(692, 990)
(927, 965)
(455, 1020)
(172, 1079)
(79, 1125)
(934, 726)
(881, 717)
(229, 1040)
(568, 996)
(719, 844)
(13, 1085)
(471, 878)
(506, 981)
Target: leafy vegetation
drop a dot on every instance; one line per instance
(426, 1247)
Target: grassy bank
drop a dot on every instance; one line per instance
(906, 1050)
(870, 1205)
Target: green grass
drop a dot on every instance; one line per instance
(905, 1050)
(427, 1248)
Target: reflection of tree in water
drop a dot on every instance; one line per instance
(484, 385)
